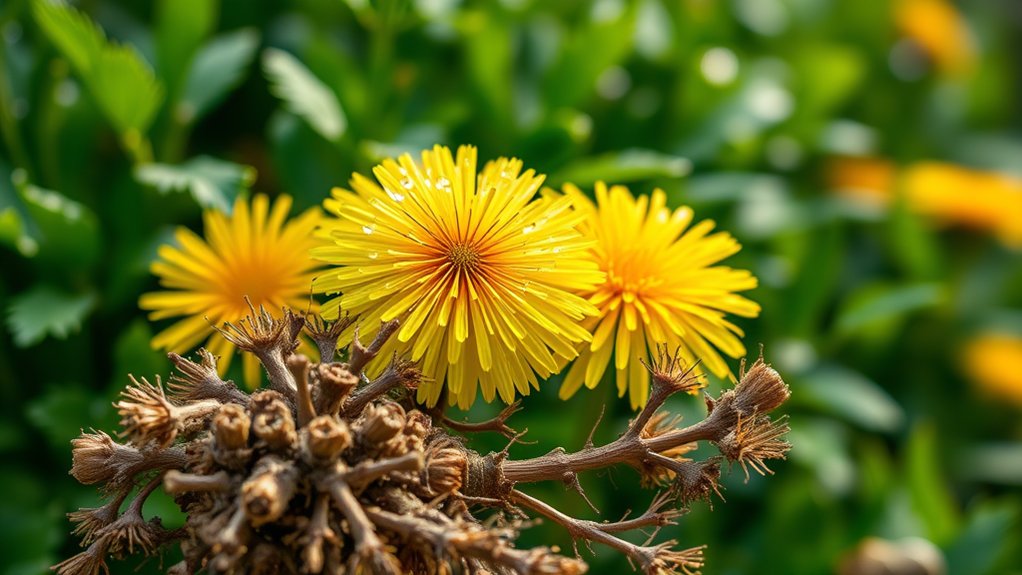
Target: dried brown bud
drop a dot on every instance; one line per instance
(272, 422)
(381, 422)
(335, 383)
(266, 494)
(445, 469)
(325, 438)
(230, 427)
(760, 389)
(96, 458)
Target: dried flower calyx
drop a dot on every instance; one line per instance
(329, 472)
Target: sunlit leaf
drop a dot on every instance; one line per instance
(304, 94)
(851, 396)
(883, 304)
(218, 68)
(926, 479)
(44, 310)
(117, 76)
(623, 167)
(213, 183)
(181, 26)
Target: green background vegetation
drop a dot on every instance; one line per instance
(111, 139)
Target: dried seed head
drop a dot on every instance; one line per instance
(760, 389)
(697, 480)
(96, 458)
(381, 422)
(90, 521)
(754, 440)
(445, 469)
(271, 420)
(325, 438)
(670, 376)
(668, 561)
(88, 562)
(230, 427)
(412, 437)
(146, 413)
(266, 494)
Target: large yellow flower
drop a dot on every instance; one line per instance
(662, 287)
(993, 361)
(254, 252)
(481, 274)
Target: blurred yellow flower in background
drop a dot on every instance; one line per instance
(940, 30)
(482, 276)
(952, 194)
(993, 362)
(255, 252)
(662, 286)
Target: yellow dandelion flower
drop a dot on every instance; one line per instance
(480, 272)
(993, 362)
(254, 252)
(948, 193)
(940, 30)
(662, 286)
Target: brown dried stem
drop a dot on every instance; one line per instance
(497, 424)
(400, 372)
(361, 355)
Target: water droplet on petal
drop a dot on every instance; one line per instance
(394, 195)
(443, 184)
(369, 228)
(407, 183)
(557, 250)
(529, 229)
(373, 255)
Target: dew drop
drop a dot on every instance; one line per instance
(529, 229)
(394, 195)
(373, 255)
(407, 183)
(369, 228)
(443, 183)
(557, 250)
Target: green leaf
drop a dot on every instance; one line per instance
(45, 310)
(213, 183)
(927, 483)
(990, 532)
(602, 41)
(12, 233)
(73, 33)
(126, 89)
(119, 79)
(218, 68)
(622, 167)
(181, 26)
(880, 305)
(67, 232)
(851, 396)
(304, 94)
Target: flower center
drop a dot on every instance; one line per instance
(464, 256)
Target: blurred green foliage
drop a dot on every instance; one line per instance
(123, 118)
